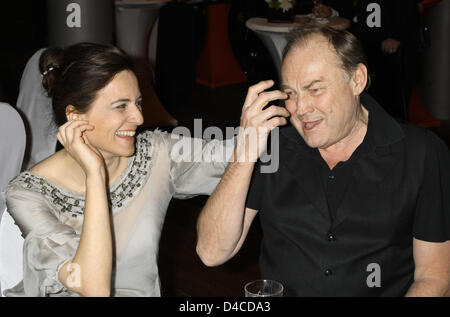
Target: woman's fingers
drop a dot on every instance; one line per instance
(71, 131)
(62, 135)
(78, 133)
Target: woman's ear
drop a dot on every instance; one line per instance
(359, 79)
(72, 113)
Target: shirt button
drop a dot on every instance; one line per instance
(328, 272)
(331, 237)
(331, 176)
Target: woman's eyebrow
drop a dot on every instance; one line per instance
(120, 100)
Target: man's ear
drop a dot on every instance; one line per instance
(359, 79)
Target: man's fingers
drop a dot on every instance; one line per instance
(266, 97)
(275, 122)
(274, 111)
(262, 101)
(266, 115)
(255, 90)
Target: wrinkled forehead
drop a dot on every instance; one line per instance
(315, 45)
(315, 56)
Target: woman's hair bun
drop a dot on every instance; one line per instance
(50, 64)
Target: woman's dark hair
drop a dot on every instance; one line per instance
(74, 75)
(347, 47)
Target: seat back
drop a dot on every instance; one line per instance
(11, 246)
(36, 110)
(12, 147)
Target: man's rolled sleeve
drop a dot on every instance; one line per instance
(432, 215)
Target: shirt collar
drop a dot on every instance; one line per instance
(382, 129)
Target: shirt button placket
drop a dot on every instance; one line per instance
(331, 237)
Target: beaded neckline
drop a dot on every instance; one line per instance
(120, 193)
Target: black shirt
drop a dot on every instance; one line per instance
(323, 235)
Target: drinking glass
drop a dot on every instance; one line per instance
(264, 288)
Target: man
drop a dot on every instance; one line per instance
(326, 8)
(389, 31)
(360, 204)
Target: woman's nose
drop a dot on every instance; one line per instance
(136, 116)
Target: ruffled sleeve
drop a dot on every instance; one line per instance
(48, 244)
(197, 165)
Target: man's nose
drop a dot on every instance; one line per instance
(303, 105)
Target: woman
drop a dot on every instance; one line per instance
(92, 213)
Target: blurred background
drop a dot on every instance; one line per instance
(196, 60)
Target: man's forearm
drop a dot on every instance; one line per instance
(220, 224)
(224, 221)
(431, 287)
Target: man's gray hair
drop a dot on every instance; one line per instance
(347, 47)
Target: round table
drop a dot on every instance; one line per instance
(273, 34)
(71, 22)
(134, 25)
(136, 35)
(217, 66)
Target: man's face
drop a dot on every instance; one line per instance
(322, 100)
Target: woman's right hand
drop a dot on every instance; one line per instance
(72, 136)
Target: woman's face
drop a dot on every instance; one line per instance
(116, 113)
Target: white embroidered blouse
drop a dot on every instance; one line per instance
(50, 217)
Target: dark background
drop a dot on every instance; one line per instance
(23, 30)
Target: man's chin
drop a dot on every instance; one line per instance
(314, 144)
(310, 140)
(313, 140)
